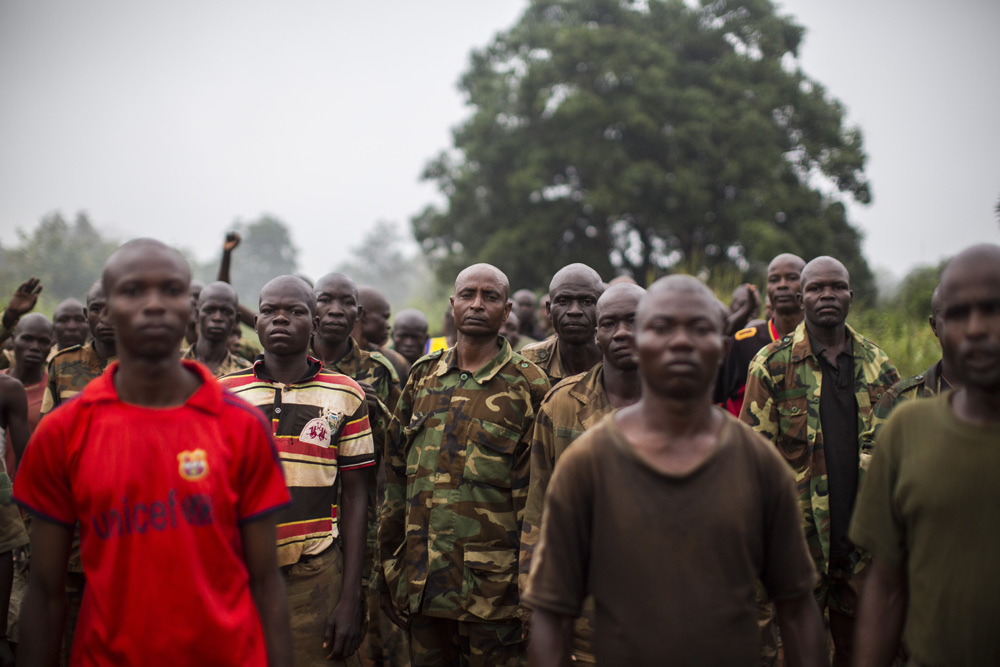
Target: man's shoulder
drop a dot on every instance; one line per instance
(378, 365)
(426, 363)
(522, 366)
(70, 355)
(541, 351)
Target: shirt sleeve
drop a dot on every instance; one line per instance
(789, 571)
(876, 524)
(261, 486)
(43, 484)
(561, 559)
(355, 447)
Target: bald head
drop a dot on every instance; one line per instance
(824, 265)
(979, 264)
(483, 269)
(411, 318)
(576, 274)
(786, 259)
(141, 252)
(218, 291)
(96, 292)
(337, 282)
(289, 287)
(674, 286)
(375, 314)
(621, 292)
(70, 323)
(616, 311)
(32, 340)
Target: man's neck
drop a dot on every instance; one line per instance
(785, 323)
(286, 369)
(159, 383)
(977, 406)
(834, 339)
(623, 387)
(948, 374)
(474, 352)
(330, 352)
(210, 352)
(103, 350)
(673, 435)
(27, 374)
(578, 358)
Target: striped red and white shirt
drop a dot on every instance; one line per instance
(320, 426)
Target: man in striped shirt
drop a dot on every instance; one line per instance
(320, 424)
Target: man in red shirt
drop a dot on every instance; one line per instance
(174, 484)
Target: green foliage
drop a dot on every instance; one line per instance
(636, 136)
(66, 257)
(910, 343)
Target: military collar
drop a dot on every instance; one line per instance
(351, 357)
(802, 344)
(91, 351)
(449, 362)
(589, 385)
(313, 368)
(934, 379)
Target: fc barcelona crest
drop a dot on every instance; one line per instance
(192, 465)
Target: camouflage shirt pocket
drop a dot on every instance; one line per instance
(489, 454)
(410, 433)
(793, 432)
(490, 584)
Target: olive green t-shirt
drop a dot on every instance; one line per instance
(671, 560)
(930, 505)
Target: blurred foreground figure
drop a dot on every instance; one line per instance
(929, 507)
(174, 485)
(14, 435)
(673, 587)
(575, 405)
(456, 477)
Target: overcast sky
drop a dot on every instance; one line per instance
(173, 119)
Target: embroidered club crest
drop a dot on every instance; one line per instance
(320, 431)
(192, 465)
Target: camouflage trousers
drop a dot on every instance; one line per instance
(837, 596)
(444, 642)
(385, 642)
(313, 587)
(770, 645)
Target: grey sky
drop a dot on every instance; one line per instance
(173, 119)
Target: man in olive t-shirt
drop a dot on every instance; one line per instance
(668, 512)
(928, 509)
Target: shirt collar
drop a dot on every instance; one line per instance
(313, 368)
(449, 362)
(208, 397)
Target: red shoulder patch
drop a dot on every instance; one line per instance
(743, 334)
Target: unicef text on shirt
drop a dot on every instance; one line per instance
(195, 509)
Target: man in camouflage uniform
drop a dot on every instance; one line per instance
(573, 406)
(216, 316)
(74, 367)
(574, 291)
(69, 372)
(337, 311)
(457, 465)
(933, 381)
(823, 368)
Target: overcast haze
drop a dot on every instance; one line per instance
(174, 119)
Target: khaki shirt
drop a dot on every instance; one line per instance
(546, 356)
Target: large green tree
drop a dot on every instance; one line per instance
(641, 136)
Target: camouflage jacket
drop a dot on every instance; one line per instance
(546, 356)
(931, 383)
(230, 364)
(781, 402)
(456, 482)
(374, 369)
(69, 373)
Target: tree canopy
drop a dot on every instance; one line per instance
(641, 136)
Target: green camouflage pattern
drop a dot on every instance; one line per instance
(456, 478)
(70, 371)
(443, 642)
(574, 405)
(248, 348)
(230, 364)
(546, 356)
(927, 385)
(782, 404)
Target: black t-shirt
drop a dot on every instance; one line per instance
(732, 378)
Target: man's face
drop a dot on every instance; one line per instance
(509, 330)
(826, 295)
(616, 332)
(100, 326)
(148, 303)
(680, 343)
(70, 325)
(573, 309)
(336, 310)
(783, 285)
(524, 306)
(969, 331)
(216, 318)
(284, 324)
(376, 323)
(479, 304)
(32, 343)
(409, 340)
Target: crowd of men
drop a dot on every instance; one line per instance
(603, 474)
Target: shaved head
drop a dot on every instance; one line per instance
(980, 263)
(500, 276)
(410, 318)
(372, 299)
(617, 293)
(579, 274)
(292, 286)
(67, 306)
(96, 292)
(139, 251)
(824, 264)
(677, 285)
(33, 321)
(786, 259)
(218, 290)
(333, 280)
